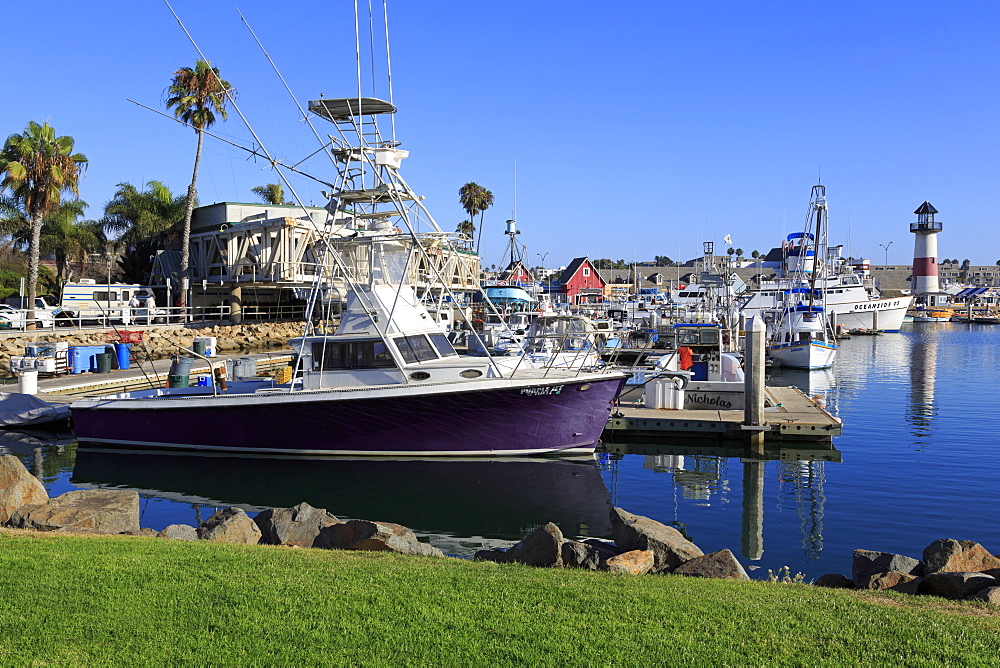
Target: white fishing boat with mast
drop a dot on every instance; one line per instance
(801, 335)
(387, 382)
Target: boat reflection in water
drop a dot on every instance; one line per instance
(43, 452)
(502, 498)
(701, 474)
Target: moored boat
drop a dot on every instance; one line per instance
(388, 381)
(801, 335)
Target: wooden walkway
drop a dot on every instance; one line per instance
(790, 414)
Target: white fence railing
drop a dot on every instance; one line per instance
(177, 315)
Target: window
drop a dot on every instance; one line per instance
(586, 271)
(710, 336)
(416, 348)
(335, 356)
(105, 296)
(443, 345)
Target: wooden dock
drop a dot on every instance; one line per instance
(791, 416)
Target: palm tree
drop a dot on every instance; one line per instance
(271, 193)
(475, 199)
(196, 95)
(133, 215)
(66, 237)
(62, 235)
(38, 168)
(467, 229)
(142, 222)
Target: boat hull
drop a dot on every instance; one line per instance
(803, 355)
(489, 418)
(878, 314)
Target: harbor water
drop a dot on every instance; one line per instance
(917, 461)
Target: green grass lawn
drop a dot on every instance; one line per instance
(84, 600)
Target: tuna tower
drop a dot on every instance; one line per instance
(925, 264)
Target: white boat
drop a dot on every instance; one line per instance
(388, 382)
(802, 339)
(801, 336)
(698, 372)
(850, 297)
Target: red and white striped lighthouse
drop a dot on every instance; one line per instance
(925, 263)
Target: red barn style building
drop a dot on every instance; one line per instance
(580, 283)
(515, 274)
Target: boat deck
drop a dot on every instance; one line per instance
(140, 376)
(791, 416)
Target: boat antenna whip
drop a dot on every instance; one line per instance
(251, 151)
(324, 145)
(232, 101)
(328, 251)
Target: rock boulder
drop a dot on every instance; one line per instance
(867, 563)
(542, 547)
(581, 555)
(298, 525)
(373, 537)
(230, 525)
(958, 556)
(904, 583)
(669, 546)
(989, 595)
(634, 562)
(99, 510)
(722, 564)
(955, 585)
(835, 581)
(179, 532)
(17, 487)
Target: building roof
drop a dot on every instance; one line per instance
(573, 267)
(926, 207)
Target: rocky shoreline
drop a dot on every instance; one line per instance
(162, 342)
(950, 568)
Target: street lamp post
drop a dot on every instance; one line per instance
(885, 247)
(543, 256)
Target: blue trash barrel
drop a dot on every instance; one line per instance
(124, 352)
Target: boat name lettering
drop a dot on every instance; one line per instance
(712, 401)
(874, 306)
(538, 391)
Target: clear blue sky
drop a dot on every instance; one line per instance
(638, 128)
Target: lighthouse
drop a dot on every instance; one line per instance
(925, 263)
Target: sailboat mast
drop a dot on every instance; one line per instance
(819, 203)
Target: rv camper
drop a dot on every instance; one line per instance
(88, 300)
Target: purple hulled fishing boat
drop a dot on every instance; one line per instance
(388, 381)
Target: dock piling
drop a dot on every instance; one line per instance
(753, 413)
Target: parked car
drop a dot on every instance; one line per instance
(17, 317)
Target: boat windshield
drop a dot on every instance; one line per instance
(562, 332)
(443, 345)
(415, 348)
(340, 355)
(693, 336)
